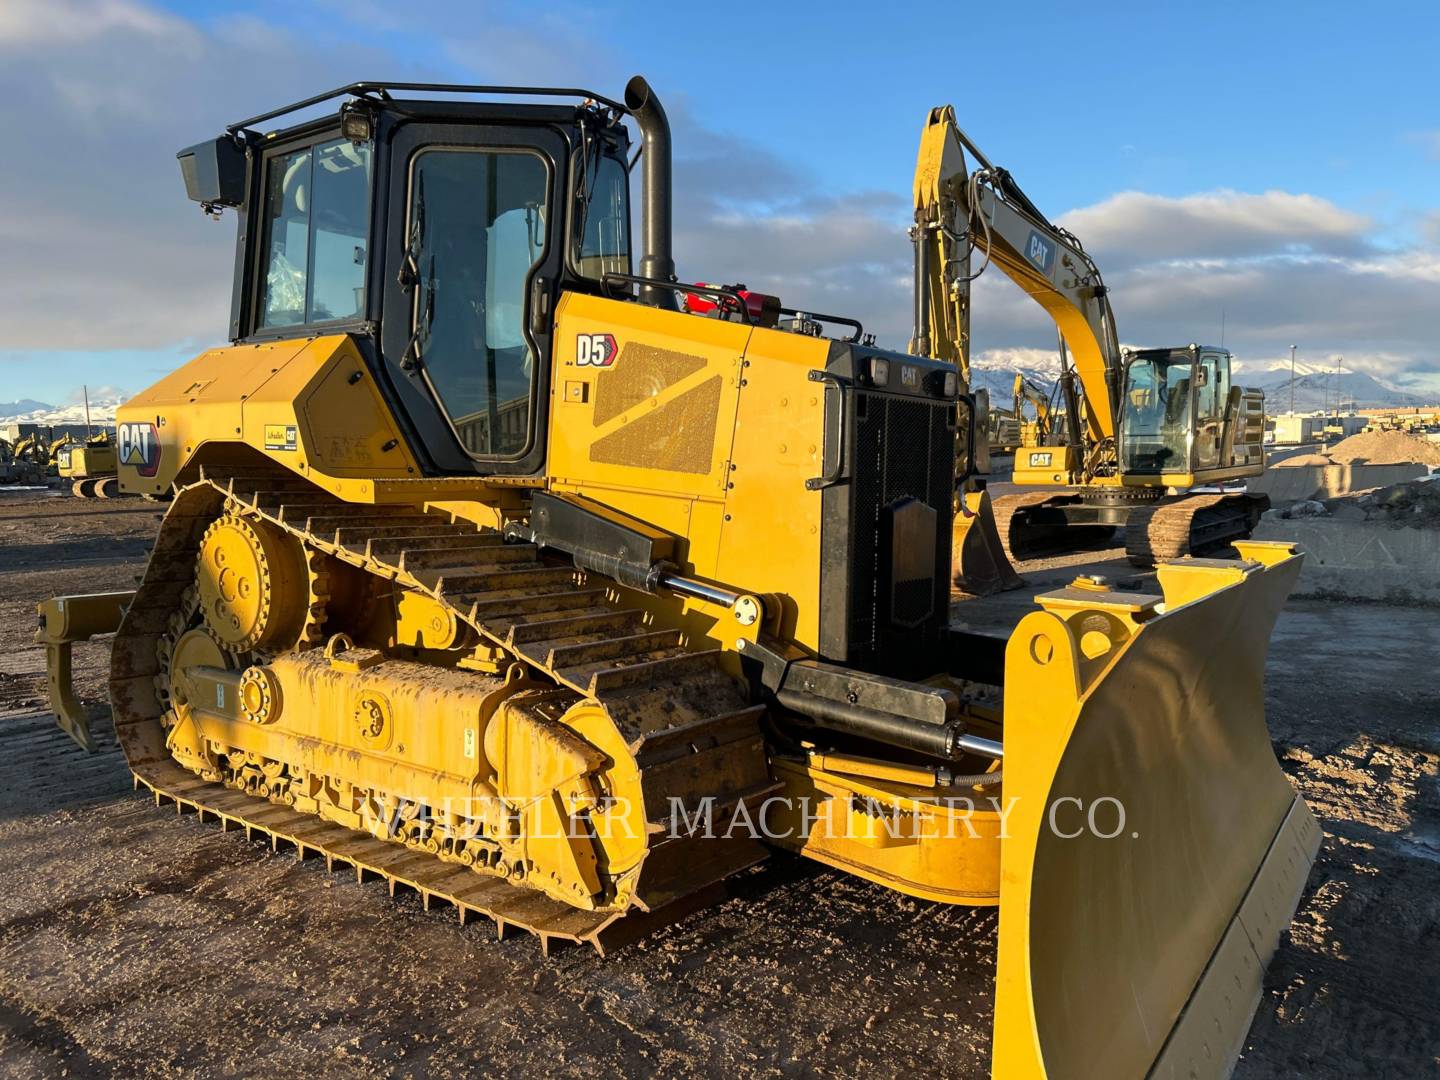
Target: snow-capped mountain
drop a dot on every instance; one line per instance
(995, 370)
(10, 410)
(1316, 386)
(102, 411)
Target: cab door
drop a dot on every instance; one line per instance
(474, 258)
(1212, 391)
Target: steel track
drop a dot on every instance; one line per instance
(684, 717)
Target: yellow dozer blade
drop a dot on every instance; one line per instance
(1154, 851)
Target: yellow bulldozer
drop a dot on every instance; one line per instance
(514, 570)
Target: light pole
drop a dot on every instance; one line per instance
(1292, 380)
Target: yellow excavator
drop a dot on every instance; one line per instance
(24, 460)
(494, 570)
(1035, 432)
(57, 450)
(91, 467)
(1009, 428)
(1158, 441)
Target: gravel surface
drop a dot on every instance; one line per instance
(141, 941)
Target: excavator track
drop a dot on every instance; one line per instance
(1190, 525)
(1017, 546)
(96, 487)
(687, 722)
(1023, 539)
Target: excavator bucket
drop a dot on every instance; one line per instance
(980, 564)
(1154, 851)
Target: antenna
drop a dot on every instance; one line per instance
(1222, 328)
(86, 391)
(1292, 379)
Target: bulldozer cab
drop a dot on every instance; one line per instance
(440, 234)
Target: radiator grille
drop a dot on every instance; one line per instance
(901, 453)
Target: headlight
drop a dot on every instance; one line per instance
(879, 371)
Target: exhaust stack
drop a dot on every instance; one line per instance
(657, 261)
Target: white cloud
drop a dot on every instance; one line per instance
(1135, 227)
(98, 247)
(37, 23)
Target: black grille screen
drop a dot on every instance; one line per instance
(900, 461)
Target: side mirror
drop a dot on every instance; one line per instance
(214, 172)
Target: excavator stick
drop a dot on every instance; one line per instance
(981, 566)
(1154, 850)
(65, 620)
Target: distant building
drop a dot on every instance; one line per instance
(14, 432)
(1292, 429)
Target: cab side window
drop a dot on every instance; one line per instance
(601, 244)
(1207, 394)
(316, 221)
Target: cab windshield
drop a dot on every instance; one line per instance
(1155, 415)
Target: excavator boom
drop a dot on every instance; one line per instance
(1210, 431)
(985, 209)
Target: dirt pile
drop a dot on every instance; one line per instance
(1302, 459)
(1385, 448)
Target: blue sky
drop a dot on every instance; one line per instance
(1275, 164)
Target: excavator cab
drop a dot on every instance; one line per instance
(1183, 421)
(1156, 434)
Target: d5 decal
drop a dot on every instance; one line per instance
(595, 350)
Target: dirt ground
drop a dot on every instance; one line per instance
(134, 940)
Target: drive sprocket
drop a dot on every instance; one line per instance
(253, 583)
